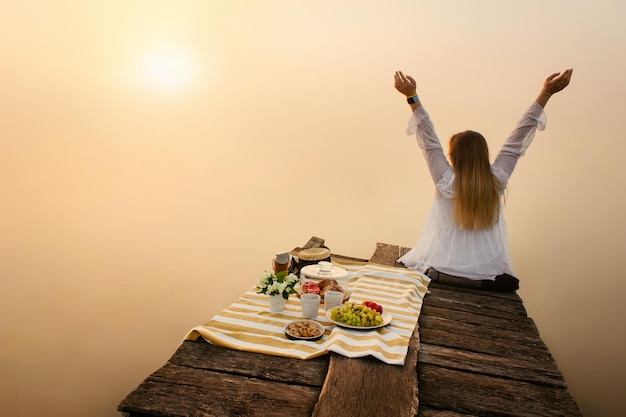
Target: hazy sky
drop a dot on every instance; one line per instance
(153, 152)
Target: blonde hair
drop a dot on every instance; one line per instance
(476, 189)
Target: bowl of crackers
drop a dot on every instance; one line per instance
(304, 330)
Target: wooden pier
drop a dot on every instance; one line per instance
(473, 353)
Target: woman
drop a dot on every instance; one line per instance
(464, 241)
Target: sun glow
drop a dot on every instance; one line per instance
(167, 67)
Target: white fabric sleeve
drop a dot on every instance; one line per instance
(427, 139)
(520, 138)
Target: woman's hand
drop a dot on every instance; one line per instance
(553, 84)
(556, 82)
(405, 84)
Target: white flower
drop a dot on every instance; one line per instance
(275, 288)
(292, 279)
(269, 283)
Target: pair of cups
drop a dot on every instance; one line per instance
(311, 302)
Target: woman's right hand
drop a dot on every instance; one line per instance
(405, 84)
(556, 82)
(553, 84)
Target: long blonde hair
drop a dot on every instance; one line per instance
(476, 189)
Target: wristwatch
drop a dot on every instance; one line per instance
(412, 100)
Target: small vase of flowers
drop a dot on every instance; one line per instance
(278, 286)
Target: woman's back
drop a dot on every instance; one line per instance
(476, 189)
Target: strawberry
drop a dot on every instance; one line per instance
(373, 306)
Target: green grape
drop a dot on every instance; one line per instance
(357, 315)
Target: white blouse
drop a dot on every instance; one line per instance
(443, 245)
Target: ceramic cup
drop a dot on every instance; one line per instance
(310, 305)
(332, 299)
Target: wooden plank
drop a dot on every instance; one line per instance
(501, 332)
(314, 242)
(205, 356)
(386, 254)
(430, 412)
(514, 322)
(490, 302)
(447, 300)
(482, 395)
(179, 391)
(475, 330)
(477, 339)
(477, 291)
(498, 366)
(367, 386)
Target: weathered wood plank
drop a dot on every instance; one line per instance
(404, 251)
(462, 336)
(490, 302)
(494, 294)
(430, 412)
(478, 317)
(314, 242)
(498, 366)
(441, 299)
(382, 390)
(205, 356)
(369, 387)
(482, 395)
(179, 391)
(502, 332)
(386, 254)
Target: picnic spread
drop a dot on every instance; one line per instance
(249, 325)
(467, 343)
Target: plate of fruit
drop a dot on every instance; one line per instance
(364, 316)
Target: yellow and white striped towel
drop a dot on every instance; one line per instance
(249, 325)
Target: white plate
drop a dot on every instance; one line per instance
(385, 315)
(313, 271)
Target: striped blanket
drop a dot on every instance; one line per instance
(249, 325)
